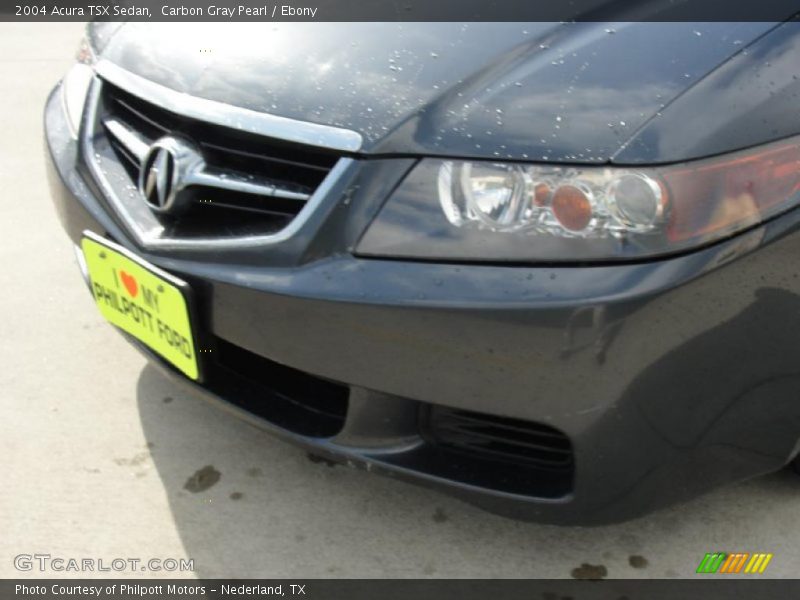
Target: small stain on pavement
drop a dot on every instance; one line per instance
(587, 571)
(202, 479)
(439, 516)
(134, 461)
(637, 562)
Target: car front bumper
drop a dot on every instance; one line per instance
(668, 377)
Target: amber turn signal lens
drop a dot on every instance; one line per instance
(572, 207)
(541, 194)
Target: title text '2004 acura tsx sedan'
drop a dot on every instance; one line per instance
(549, 268)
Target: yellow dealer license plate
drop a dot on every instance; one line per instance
(142, 300)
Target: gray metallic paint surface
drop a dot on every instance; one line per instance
(750, 100)
(670, 376)
(560, 92)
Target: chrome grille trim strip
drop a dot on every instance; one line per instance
(218, 113)
(210, 178)
(131, 140)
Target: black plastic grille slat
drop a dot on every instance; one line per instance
(244, 206)
(509, 424)
(137, 117)
(491, 435)
(272, 159)
(510, 452)
(500, 438)
(507, 455)
(125, 153)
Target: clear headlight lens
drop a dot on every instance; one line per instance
(75, 85)
(556, 200)
(636, 201)
(492, 211)
(491, 194)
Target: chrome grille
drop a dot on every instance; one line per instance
(254, 175)
(251, 186)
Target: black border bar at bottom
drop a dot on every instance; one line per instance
(702, 587)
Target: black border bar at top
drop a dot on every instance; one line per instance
(405, 10)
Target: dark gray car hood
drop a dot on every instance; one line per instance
(560, 92)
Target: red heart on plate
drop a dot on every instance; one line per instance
(130, 283)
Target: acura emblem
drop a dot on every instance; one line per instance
(165, 171)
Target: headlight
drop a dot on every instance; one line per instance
(75, 86)
(492, 211)
(562, 201)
